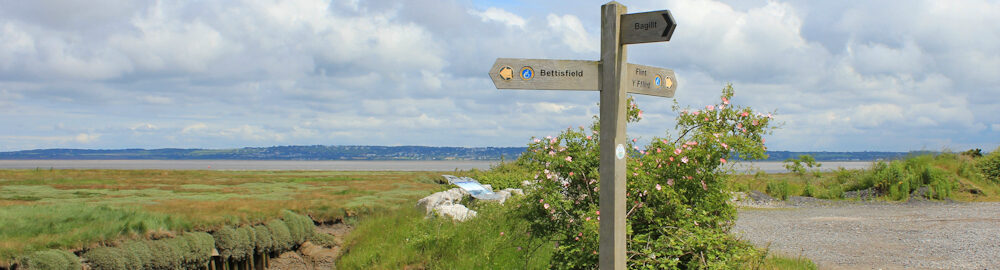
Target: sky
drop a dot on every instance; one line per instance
(838, 75)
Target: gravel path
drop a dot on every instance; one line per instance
(925, 235)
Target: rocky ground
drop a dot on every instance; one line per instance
(919, 234)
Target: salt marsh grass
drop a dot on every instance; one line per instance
(75, 209)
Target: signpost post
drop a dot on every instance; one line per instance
(615, 78)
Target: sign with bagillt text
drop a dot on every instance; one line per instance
(654, 26)
(649, 80)
(548, 74)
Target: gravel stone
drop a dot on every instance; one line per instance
(879, 235)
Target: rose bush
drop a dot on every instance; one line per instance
(676, 198)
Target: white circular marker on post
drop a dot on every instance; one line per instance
(620, 151)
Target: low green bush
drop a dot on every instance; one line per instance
(809, 190)
(246, 243)
(832, 193)
(989, 165)
(969, 171)
(262, 239)
(200, 245)
(300, 227)
(941, 183)
(503, 175)
(167, 254)
(324, 239)
(281, 237)
(779, 190)
(53, 259)
(107, 258)
(227, 241)
(138, 255)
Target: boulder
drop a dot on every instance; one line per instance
(455, 211)
(447, 197)
(514, 191)
(449, 202)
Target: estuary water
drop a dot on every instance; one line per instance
(339, 165)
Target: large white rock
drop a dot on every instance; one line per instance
(449, 202)
(455, 211)
(514, 191)
(447, 197)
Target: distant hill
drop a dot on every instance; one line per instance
(361, 152)
(312, 152)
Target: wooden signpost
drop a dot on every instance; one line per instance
(615, 78)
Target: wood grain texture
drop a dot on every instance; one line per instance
(613, 112)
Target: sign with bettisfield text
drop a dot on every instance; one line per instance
(545, 74)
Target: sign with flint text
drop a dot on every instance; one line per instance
(651, 81)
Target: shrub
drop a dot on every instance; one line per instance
(262, 239)
(300, 227)
(168, 254)
(227, 241)
(678, 212)
(809, 190)
(281, 237)
(106, 258)
(833, 192)
(968, 170)
(200, 245)
(50, 259)
(245, 245)
(802, 165)
(138, 254)
(941, 183)
(503, 175)
(324, 239)
(779, 190)
(989, 165)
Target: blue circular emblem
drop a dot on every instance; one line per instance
(656, 80)
(527, 73)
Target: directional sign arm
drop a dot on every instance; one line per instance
(544, 74)
(654, 26)
(647, 80)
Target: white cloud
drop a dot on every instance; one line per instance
(86, 138)
(158, 100)
(194, 127)
(144, 127)
(548, 107)
(499, 15)
(841, 75)
(571, 30)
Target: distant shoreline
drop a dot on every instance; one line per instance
(364, 153)
(340, 165)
